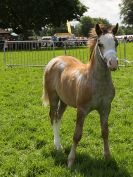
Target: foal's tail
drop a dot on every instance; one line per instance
(45, 98)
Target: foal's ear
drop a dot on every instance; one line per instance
(98, 29)
(115, 29)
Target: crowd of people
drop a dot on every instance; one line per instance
(127, 38)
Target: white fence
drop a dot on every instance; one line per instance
(38, 53)
(124, 53)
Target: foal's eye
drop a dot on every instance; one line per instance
(100, 45)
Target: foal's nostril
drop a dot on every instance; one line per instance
(112, 64)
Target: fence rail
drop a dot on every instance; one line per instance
(38, 53)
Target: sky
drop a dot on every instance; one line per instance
(108, 9)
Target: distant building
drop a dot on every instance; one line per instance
(4, 34)
(64, 36)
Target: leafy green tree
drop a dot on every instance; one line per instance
(86, 23)
(23, 15)
(120, 31)
(127, 30)
(101, 21)
(127, 11)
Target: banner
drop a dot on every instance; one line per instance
(69, 27)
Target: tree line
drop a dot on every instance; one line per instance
(85, 24)
(88, 23)
(24, 16)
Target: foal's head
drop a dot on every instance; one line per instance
(107, 43)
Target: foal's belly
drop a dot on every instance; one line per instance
(67, 97)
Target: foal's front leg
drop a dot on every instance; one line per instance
(104, 130)
(76, 138)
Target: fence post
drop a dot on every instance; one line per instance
(125, 52)
(65, 47)
(4, 50)
(53, 43)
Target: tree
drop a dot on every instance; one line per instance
(101, 21)
(127, 30)
(24, 15)
(86, 23)
(127, 11)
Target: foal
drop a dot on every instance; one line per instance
(85, 87)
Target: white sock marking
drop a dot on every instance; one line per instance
(56, 130)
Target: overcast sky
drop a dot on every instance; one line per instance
(108, 9)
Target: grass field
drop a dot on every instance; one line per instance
(26, 138)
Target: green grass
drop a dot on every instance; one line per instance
(26, 138)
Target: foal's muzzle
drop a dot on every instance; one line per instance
(112, 61)
(112, 64)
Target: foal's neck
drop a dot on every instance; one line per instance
(98, 67)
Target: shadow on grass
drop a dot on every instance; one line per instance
(90, 167)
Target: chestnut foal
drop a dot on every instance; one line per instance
(86, 87)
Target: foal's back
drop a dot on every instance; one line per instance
(67, 77)
(62, 62)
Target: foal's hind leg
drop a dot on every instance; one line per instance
(57, 107)
(56, 124)
(61, 108)
(54, 100)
